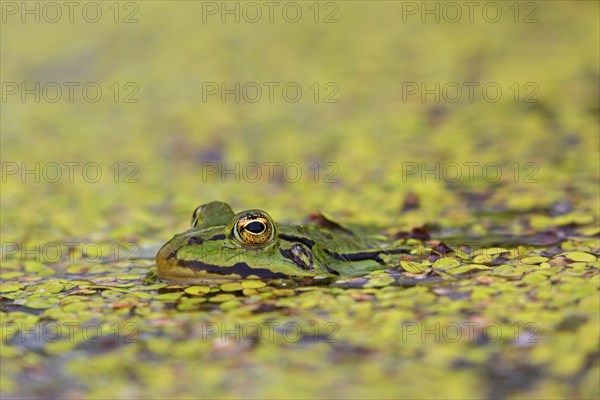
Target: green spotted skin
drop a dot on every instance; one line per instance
(222, 246)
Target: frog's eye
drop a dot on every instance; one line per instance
(254, 229)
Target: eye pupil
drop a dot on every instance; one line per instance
(255, 227)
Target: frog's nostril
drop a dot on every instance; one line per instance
(172, 254)
(195, 240)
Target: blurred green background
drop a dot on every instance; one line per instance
(155, 133)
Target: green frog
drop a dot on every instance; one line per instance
(222, 246)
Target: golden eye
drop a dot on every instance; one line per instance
(254, 228)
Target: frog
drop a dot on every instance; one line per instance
(222, 246)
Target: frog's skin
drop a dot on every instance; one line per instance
(222, 246)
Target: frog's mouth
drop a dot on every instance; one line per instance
(239, 270)
(193, 271)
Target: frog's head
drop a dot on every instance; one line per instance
(222, 246)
